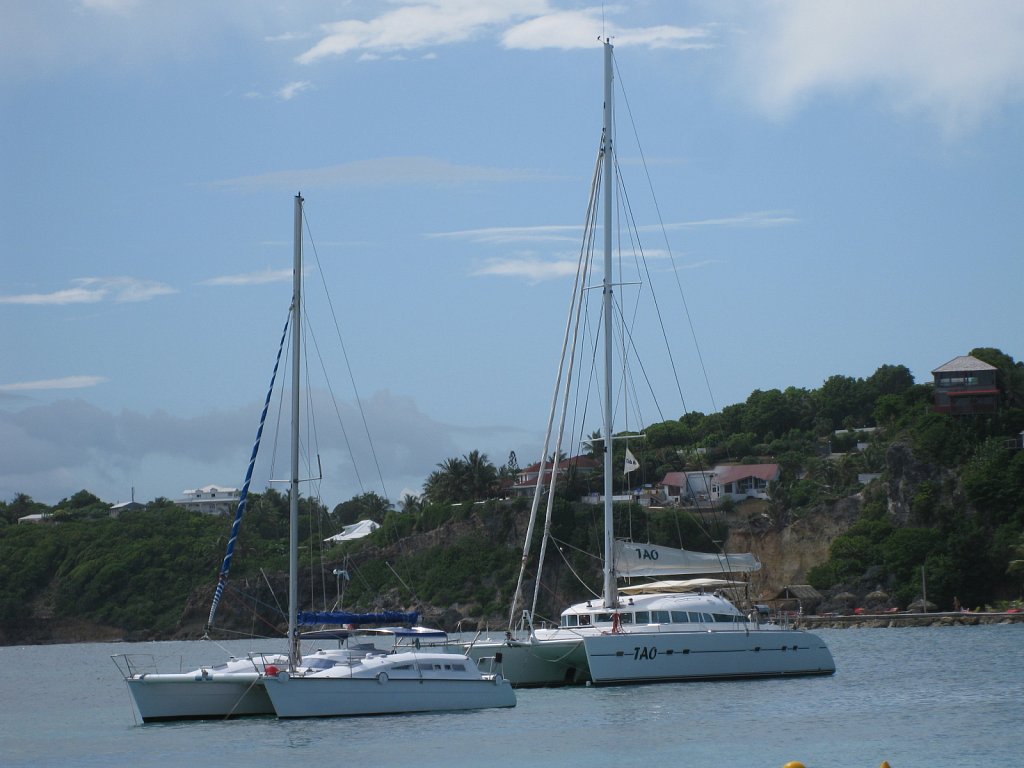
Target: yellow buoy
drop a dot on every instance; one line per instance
(885, 764)
(794, 764)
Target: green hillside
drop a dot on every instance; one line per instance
(943, 492)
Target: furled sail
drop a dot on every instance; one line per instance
(633, 559)
(225, 567)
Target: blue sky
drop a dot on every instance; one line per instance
(841, 185)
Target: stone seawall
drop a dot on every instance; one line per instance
(889, 620)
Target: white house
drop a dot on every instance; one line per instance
(687, 487)
(210, 500)
(743, 481)
(41, 517)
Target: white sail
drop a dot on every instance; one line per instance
(632, 559)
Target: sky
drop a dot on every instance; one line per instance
(839, 183)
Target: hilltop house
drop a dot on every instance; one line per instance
(687, 487)
(965, 385)
(743, 481)
(734, 481)
(527, 479)
(210, 499)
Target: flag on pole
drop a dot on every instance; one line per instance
(631, 463)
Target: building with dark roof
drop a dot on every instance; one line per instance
(965, 385)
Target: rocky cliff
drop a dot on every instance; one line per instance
(788, 551)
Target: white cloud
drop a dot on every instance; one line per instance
(293, 89)
(500, 235)
(67, 382)
(742, 220)
(520, 24)
(417, 25)
(954, 62)
(560, 233)
(385, 171)
(533, 269)
(583, 29)
(53, 450)
(91, 290)
(110, 6)
(252, 278)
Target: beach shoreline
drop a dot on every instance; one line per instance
(894, 620)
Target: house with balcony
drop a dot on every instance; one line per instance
(964, 386)
(528, 477)
(735, 481)
(210, 500)
(743, 481)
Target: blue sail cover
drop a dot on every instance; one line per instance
(225, 567)
(307, 618)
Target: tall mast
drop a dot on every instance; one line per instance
(610, 595)
(294, 656)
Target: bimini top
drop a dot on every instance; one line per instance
(341, 618)
(677, 585)
(397, 632)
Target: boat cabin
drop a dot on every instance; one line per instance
(655, 612)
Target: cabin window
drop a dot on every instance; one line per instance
(643, 617)
(660, 617)
(707, 617)
(695, 617)
(571, 620)
(625, 618)
(723, 618)
(605, 618)
(319, 664)
(680, 617)
(584, 619)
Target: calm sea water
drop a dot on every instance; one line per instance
(915, 697)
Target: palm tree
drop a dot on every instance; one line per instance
(481, 475)
(410, 504)
(448, 482)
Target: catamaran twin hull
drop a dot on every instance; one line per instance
(192, 696)
(338, 697)
(675, 656)
(530, 664)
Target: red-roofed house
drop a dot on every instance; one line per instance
(686, 487)
(735, 481)
(527, 479)
(743, 481)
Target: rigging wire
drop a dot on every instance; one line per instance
(668, 246)
(348, 364)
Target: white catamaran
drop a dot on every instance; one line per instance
(664, 630)
(362, 677)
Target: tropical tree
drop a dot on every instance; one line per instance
(447, 482)
(1010, 374)
(21, 506)
(481, 476)
(366, 506)
(410, 504)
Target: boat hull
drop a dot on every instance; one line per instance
(294, 697)
(164, 697)
(534, 664)
(674, 656)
